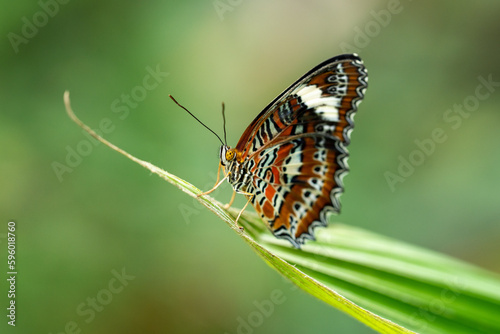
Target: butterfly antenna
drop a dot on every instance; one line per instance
(224, 121)
(196, 118)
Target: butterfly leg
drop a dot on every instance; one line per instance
(250, 196)
(228, 205)
(217, 183)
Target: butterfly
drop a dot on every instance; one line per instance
(290, 161)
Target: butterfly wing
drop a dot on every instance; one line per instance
(296, 148)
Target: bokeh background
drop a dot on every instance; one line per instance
(186, 271)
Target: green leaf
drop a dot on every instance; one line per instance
(388, 285)
(420, 290)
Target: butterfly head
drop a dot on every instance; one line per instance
(227, 154)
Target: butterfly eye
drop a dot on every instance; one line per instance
(229, 155)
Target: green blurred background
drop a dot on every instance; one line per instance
(191, 273)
